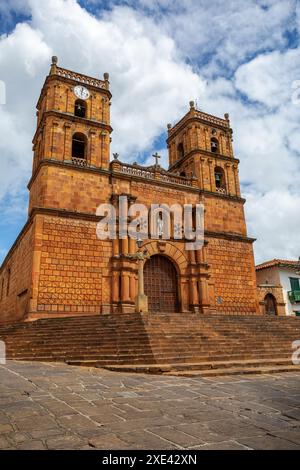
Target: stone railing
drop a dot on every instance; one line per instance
(194, 113)
(152, 173)
(137, 171)
(80, 78)
(169, 178)
(79, 161)
(221, 190)
(212, 119)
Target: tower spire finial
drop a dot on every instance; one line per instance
(54, 64)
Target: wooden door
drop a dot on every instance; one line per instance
(161, 284)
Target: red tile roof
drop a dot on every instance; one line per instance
(282, 263)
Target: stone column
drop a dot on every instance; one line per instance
(125, 246)
(227, 167)
(115, 287)
(141, 301)
(132, 244)
(92, 160)
(236, 179)
(194, 298)
(211, 180)
(204, 294)
(201, 179)
(125, 287)
(132, 287)
(67, 142)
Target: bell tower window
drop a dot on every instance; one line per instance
(220, 180)
(180, 150)
(80, 108)
(79, 146)
(214, 145)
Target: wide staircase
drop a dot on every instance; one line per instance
(181, 344)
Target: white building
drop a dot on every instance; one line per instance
(279, 286)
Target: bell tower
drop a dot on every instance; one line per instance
(72, 135)
(201, 145)
(73, 119)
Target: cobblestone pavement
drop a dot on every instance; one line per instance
(55, 406)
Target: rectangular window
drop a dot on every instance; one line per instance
(294, 283)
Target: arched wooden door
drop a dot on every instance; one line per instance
(161, 284)
(270, 305)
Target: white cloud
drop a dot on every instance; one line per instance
(274, 222)
(269, 77)
(231, 33)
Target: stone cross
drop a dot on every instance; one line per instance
(156, 156)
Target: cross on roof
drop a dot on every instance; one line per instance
(156, 156)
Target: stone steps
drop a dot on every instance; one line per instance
(138, 358)
(155, 341)
(205, 369)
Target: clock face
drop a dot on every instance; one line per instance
(81, 92)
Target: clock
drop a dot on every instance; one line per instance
(81, 92)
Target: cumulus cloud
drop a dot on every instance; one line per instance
(161, 54)
(224, 37)
(272, 217)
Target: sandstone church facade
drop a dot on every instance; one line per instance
(59, 267)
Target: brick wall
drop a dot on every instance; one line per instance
(16, 278)
(73, 266)
(232, 284)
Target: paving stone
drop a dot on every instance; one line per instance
(145, 439)
(3, 418)
(268, 442)
(231, 428)
(109, 442)
(200, 431)
(84, 408)
(4, 443)
(17, 437)
(38, 423)
(177, 437)
(293, 413)
(225, 445)
(292, 435)
(44, 433)
(64, 442)
(76, 423)
(32, 445)
(5, 428)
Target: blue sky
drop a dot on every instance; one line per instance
(242, 59)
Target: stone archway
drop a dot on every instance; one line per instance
(270, 304)
(161, 284)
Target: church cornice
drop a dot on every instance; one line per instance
(223, 196)
(64, 164)
(199, 151)
(70, 118)
(117, 174)
(229, 236)
(95, 218)
(196, 116)
(71, 78)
